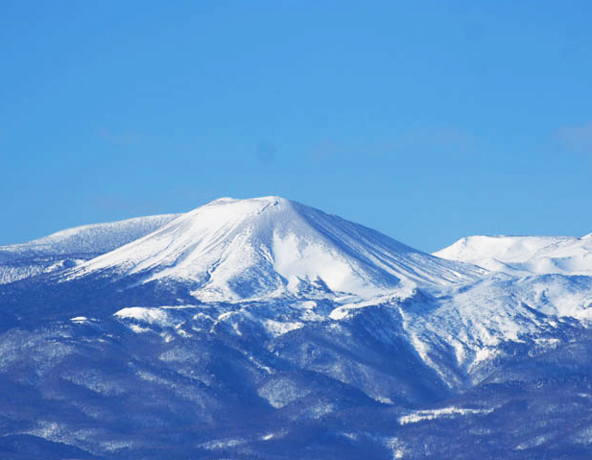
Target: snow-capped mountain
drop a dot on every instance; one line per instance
(236, 249)
(524, 255)
(267, 329)
(75, 245)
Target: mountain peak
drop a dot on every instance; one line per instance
(233, 249)
(233, 210)
(268, 200)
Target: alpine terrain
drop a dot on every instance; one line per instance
(267, 329)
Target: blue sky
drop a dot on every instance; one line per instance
(428, 120)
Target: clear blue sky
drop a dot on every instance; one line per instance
(428, 120)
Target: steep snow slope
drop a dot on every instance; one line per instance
(475, 324)
(74, 245)
(235, 249)
(524, 255)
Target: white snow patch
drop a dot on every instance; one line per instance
(396, 446)
(261, 366)
(153, 316)
(222, 443)
(278, 328)
(534, 442)
(484, 354)
(79, 319)
(138, 329)
(445, 412)
(406, 290)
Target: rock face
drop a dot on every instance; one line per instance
(267, 329)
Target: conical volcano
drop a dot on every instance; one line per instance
(239, 249)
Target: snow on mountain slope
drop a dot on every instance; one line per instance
(93, 238)
(72, 246)
(524, 255)
(473, 322)
(318, 374)
(235, 249)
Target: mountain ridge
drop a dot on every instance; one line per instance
(524, 255)
(72, 246)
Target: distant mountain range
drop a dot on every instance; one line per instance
(525, 255)
(268, 329)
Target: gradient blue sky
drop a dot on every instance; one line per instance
(426, 120)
